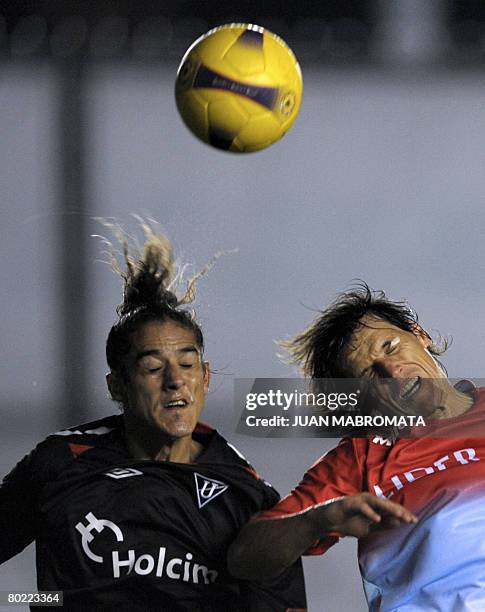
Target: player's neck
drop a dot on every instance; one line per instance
(145, 445)
(456, 403)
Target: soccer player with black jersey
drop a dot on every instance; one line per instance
(136, 511)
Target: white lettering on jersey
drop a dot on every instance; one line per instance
(130, 561)
(463, 456)
(381, 441)
(208, 489)
(471, 455)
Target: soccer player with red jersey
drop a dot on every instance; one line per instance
(429, 489)
(135, 512)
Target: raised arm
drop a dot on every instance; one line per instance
(266, 547)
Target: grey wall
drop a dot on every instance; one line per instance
(380, 178)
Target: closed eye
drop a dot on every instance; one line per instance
(391, 345)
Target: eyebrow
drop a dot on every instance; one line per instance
(376, 345)
(192, 348)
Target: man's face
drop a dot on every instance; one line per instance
(166, 379)
(380, 350)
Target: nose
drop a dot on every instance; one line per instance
(389, 368)
(173, 378)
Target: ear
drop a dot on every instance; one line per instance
(115, 386)
(422, 336)
(207, 375)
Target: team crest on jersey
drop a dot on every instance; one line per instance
(118, 473)
(208, 489)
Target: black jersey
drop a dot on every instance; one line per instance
(114, 532)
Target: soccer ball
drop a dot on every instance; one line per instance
(239, 88)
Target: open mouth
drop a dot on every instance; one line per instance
(179, 403)
(410, 387)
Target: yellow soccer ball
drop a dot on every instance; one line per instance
(239, 88)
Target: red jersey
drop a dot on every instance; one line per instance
(437, 564)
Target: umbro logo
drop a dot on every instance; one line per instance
(118, 473)
(208, 489)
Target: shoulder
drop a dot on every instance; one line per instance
(92, 430)
(343, 465)
(60, 448)
(479, 397)
(347, 450)
(222, 454)
(74, 440)
(218, 450)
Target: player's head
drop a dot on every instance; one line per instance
(155, 349)
(363, 332)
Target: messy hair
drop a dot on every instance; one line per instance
(151, 281)
(318, 351)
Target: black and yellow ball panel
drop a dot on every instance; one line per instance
(239, 88)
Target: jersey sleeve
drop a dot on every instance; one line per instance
(286, 592)
(19, 499)
(336, 474)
